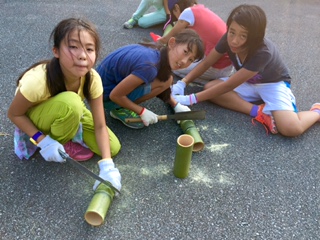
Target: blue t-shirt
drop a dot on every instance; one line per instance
(266, 61)
(133, 59)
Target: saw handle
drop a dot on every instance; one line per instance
(134, 120)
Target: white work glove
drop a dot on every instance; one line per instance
(186, 99)
(181, 108)
(109, 173)
(178, 88)
(49, 150)
(148, 117)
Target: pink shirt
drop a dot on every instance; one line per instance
(210, 28)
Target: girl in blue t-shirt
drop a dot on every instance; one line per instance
(135, 73)
(260, 75)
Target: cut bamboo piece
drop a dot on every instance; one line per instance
(182, 160)
(188, 127)
(99, 205)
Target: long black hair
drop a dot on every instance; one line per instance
(186, 36)
(55, 77)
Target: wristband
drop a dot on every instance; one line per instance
(141, 111)
(35, 137)
(193, 99)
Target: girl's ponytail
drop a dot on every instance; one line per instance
(164, 66)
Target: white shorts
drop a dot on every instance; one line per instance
(277, 96)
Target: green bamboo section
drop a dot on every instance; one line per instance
(99, 205)
(188, 127)
(183, 156)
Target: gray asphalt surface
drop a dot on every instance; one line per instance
(243, 185)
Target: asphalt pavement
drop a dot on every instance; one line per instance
(243, 185)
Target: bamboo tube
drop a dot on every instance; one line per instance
(183, 156)
(99, 205)
(188, 127)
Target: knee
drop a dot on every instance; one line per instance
(163, 85)
(70, 99)
(143, 23)
(290, 131)
(72, 103)
(288, 124)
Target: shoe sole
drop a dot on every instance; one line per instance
(86, 158)
(273, 131)
(128, 125)
(127, 27)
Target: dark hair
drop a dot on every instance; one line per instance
(186, 36)
(191, 38)
(183, 4)
(55, 78)
(254, 20)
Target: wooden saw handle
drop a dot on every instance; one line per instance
(134, 120)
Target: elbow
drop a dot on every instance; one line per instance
(115, 98)
(112, 97)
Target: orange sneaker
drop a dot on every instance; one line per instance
(266, 120)
(77, 151)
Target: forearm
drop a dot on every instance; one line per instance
(165, 5)
(203, 66)
(180, 25)
(214, 91)
(196, 72)
(17, 114)
(24, 124)
(103, 141)
(164, 40)
(222, 87)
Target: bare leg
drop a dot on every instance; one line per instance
(293, 124)
(230, 100)
(288, 123)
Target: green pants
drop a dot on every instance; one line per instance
(60, 117)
